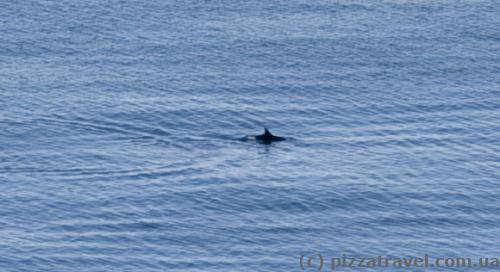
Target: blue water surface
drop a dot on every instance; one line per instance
(120, 123)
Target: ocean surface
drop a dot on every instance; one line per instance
(120, 128)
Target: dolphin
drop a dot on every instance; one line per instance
(268, 138)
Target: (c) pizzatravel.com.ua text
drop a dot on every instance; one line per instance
(316, 262)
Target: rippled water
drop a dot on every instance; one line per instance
(120, 124)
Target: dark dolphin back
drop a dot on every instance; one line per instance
(268, 138)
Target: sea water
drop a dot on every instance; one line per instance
(120, 128)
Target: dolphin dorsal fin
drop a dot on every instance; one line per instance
(266, 132)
